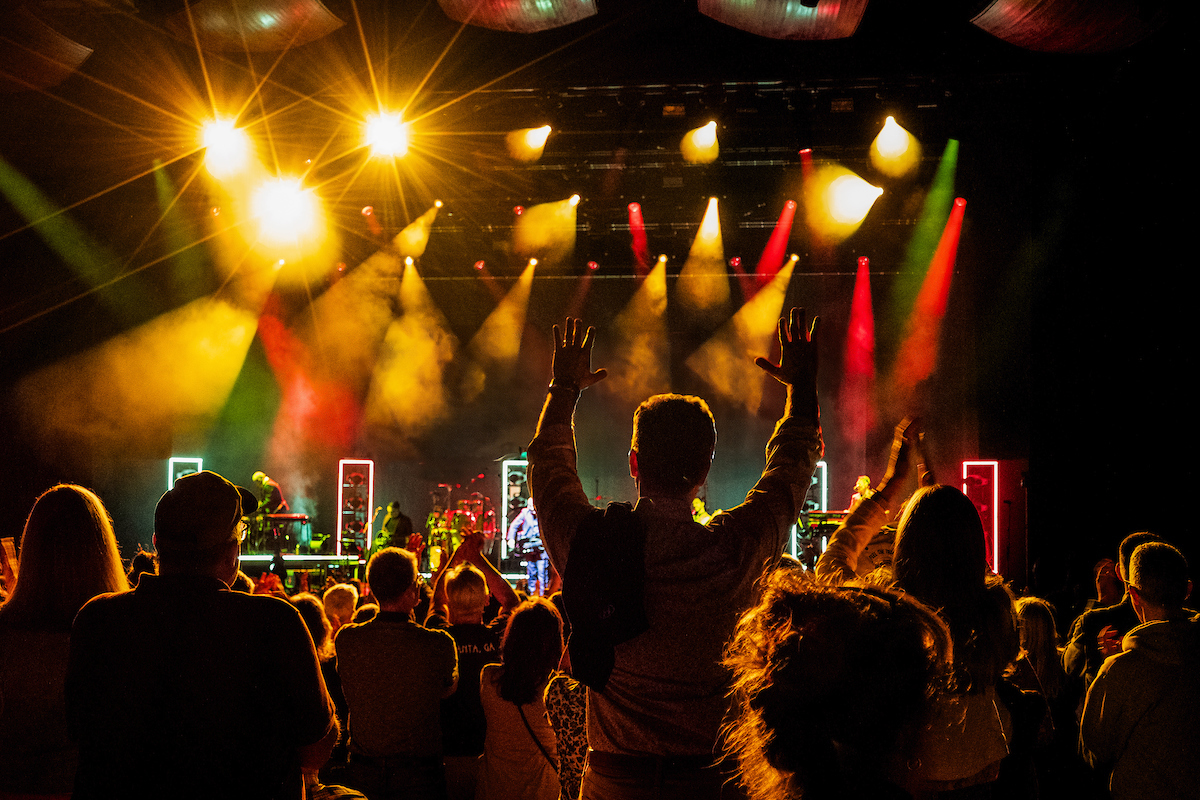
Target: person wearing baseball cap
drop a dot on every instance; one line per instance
(162, 674)
(199, 519)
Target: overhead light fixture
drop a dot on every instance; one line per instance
(789, 19)
(518, 17)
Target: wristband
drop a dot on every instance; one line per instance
(561, 384)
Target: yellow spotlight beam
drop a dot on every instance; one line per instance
(350, 320)
(547, 231)
(895, 151)
(139, 392)
(726, 360)
(494, 348)
(703, 287)
(412, 241)
(407, 396)
(639, 363)
(837, 201)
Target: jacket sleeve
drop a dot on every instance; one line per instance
(1074, 658)
(840, 560)
(1108, 717)
(558, 495)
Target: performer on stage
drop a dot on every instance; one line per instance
(265, 536)
(860, 488)
(395, 530)
(272, 495)
(526, 542)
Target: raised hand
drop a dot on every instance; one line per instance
(925, 476)
(904, 442)
(797, 365)
(572, 365)
(415, 544)
(1109, 641)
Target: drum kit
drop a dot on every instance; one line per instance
(449, 520)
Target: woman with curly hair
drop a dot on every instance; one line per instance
(829, 683)
(520, 757)
(68, 556)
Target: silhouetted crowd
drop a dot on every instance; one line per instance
(679, 660)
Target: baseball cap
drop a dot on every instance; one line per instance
(200, 512)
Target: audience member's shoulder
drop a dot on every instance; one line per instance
(436, 634)
(437, 621)
(104, 604)
(259, 601)
(262, 605)
(1095, 615)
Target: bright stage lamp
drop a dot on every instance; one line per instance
(387, 135)
(286, 212)
(849, 198)
(536, 137)
(700, 146)
(527, 144)
(895, 151)
(227, 148)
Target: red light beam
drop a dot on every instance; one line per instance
(855, 405)
(919, 353)
(776, 249)
(637, 232)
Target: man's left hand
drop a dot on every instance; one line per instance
(572, 364)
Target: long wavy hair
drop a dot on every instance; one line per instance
(814, 665)
(68, 556)
(941, 559)
(1039, 641)
(530, 651)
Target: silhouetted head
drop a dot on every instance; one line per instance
(391, 573)
(531, 650)
(1158, 573)
(466, 593)
(941, 552)
(941, 559)
(819, 670)
(1130, 543)
(672, 448)
(68, 556)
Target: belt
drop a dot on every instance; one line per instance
(649, 765)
